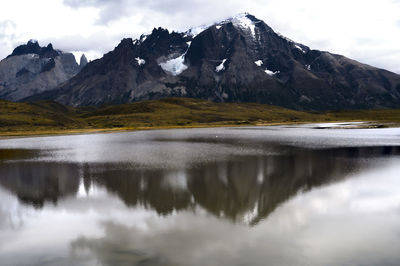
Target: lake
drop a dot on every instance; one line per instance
(278, 195)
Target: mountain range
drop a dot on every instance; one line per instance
(240, 59)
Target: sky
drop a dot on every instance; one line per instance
(364, 30)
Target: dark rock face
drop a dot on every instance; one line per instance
(22, 72)
(32, 69)
(33, 47)
(83, 61)
(49, 65)
(238, 60)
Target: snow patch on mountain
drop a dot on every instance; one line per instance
(193, 32)
(283, 37)
(140, 61)
(296, 45)
(301, 49)
(175, 66)
(271, 73)
(221, 67)
(259, 63)
(143, 37)
(242, 21)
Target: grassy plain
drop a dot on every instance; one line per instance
(46, 117)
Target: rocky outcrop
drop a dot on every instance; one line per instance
(83, 61)
(32, 69)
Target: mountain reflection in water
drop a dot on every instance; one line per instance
(243, 189)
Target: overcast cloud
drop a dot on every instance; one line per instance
(368, 31)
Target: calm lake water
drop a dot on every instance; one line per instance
(228, 196)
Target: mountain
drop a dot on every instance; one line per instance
(32, 69)
(240, 59)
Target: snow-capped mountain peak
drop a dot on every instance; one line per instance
(237, 59)
(244, 22)
(241, 20)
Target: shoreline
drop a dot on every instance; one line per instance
(358, 124)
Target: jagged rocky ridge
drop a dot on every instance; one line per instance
(240, 59)
(32, 69)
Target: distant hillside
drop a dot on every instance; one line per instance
(41, 115)
(48, 117)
